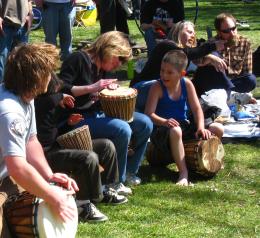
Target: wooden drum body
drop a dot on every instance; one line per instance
(79, 138)
(119, 103)
(204, 156)
(28, 216)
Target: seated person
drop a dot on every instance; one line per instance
(82, 164)
(167, 106)
(236, 57)
(23, 165)
(84, 73)
(183, 37)
(157, 18)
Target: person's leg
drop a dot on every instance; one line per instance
(50, 22)
(118, 131)
(5, 47)
(121, 19)
(107, 15)
(216, 129)
(244, 83)
(178, 154)
(84, 167)
(207, 78)
(65, 33)
(142, 128)
(143, 88)
(106, 152)
(149, 37)
(21, 36)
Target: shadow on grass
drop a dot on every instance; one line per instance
(151, 174)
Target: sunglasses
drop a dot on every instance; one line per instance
(228, 30)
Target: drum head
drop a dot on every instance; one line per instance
(50, 225)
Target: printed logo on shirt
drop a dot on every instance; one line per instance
(18, 127)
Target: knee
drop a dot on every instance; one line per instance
(91, 158)
(175, 132)
(109, 146)
(251, 82)
(216, 129)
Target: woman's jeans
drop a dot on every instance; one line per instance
(121, 132)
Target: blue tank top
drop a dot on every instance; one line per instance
(169, 108)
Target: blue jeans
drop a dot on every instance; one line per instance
(120, 132)
(149, 36)
(143, 88)
(57, 19)
(12, 36)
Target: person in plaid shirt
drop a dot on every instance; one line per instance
(230, 68)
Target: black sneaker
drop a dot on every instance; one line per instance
(89, 213)
(111, 196)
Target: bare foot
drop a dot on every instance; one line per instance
(183, 180)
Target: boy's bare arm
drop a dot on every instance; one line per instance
(155, 93)
(196, 111)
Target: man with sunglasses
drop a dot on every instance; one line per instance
(230, 68)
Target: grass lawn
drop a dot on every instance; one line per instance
(227, 205)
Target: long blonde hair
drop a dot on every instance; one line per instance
(176, 31)
(112, 43)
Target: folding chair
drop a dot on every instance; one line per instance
(86, 15)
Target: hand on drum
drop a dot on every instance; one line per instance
(67, 101)
(61, 206)
(203, 133)
(74, 119)
(65, 181)
(101, 84)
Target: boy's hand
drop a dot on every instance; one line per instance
(203, 133)
(171, 123)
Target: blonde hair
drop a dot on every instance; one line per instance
(28, 68)
(112, 43)
(176, 31)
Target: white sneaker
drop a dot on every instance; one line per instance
(88, 212)
(122, 189)
(132, 179)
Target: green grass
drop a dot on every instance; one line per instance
(227, 205)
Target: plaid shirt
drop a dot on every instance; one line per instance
(238, 57)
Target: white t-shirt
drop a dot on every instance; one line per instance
(17, 125)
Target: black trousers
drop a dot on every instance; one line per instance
(83, 166)
(112, 16)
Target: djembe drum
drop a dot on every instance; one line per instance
(31, 217)
(204, 156)
(119, 103)
(78, 138)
